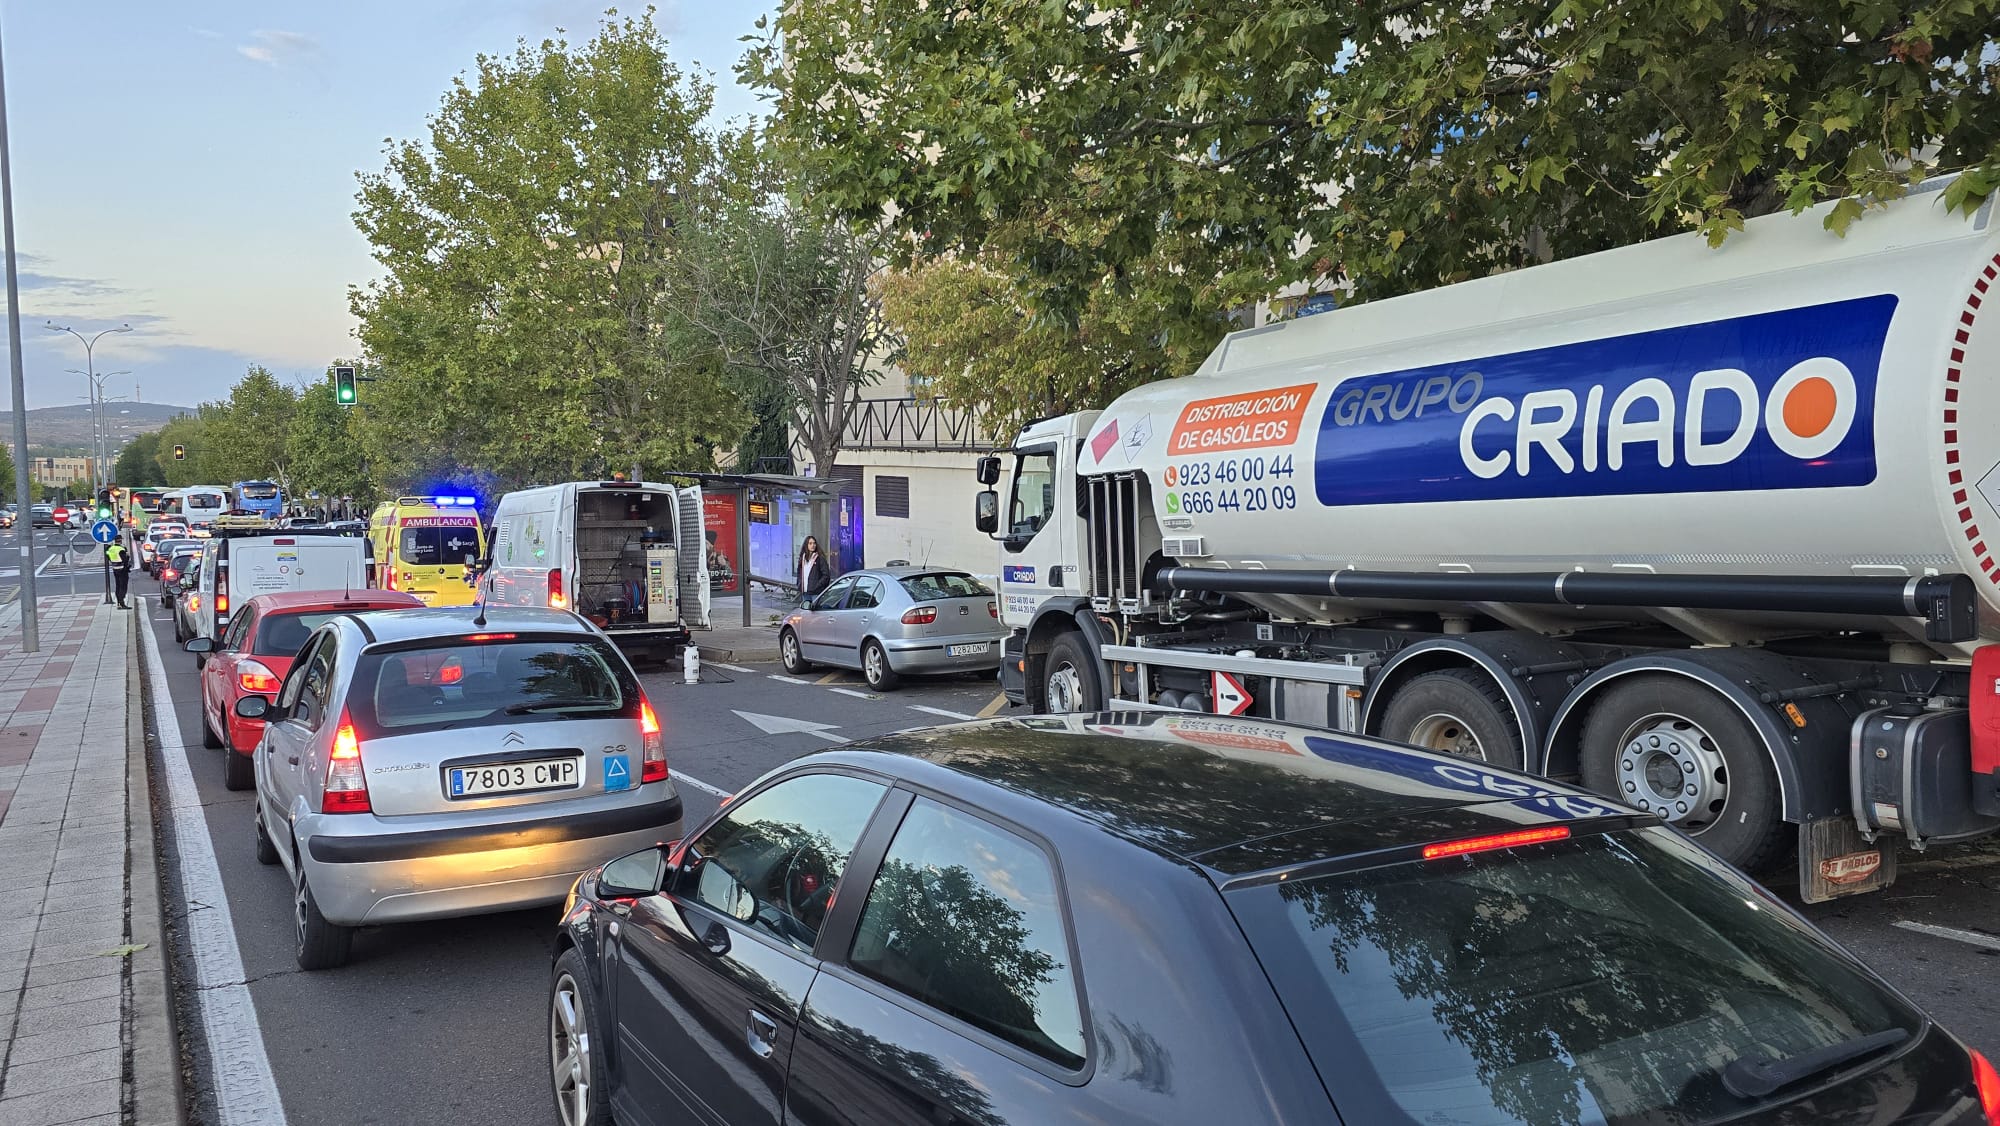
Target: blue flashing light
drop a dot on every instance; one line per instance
(456, 502)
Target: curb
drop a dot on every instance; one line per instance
(153, 1081)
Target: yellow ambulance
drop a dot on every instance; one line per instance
(421, 545)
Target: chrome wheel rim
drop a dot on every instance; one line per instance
(871, 663)
(299, 907)
(1065, 689)
(1442, 731)
(1669, 765)
(790, 644)
(569, 1052)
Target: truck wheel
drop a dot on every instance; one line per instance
(1069, 677)
(790, 655)
(1456, 711)
(1678, 750)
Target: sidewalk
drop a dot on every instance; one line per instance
(85, 1034)
(730, 640)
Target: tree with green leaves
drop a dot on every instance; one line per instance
(186, 431)
(526, 244)
(1190, 158)
(324, 446)
(138, 465)
(246, 435)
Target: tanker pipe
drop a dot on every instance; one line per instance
(1947, 603)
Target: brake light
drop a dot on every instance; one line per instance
(1497, 841)
(653, 752)
(993, 609)
(556, 599)
(920, 615)
(346, 789)
(1988, 1083)
(253, 676)
(489, 637)
(388, 579)
(172, 574)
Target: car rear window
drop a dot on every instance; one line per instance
(943, 584)
(1604, 979)
(457, 683)
(283, 635)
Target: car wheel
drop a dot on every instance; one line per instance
(209, 738)
(320, 945)
(1069, 677)
(1683, 752)
(1456, 711)
(239, 771)
(576, 1046)
(790, 655)
(875, 667)
(267, 853)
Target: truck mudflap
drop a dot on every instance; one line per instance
(1013, 674)
(1835, 860)
(1911, 774)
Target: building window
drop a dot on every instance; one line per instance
(892, 496)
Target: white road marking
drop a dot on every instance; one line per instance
(246, 1092)
(857, 694)
(785, 725)
(1970, 938)
(788, 679)
(700, 785)
(948, 714)
(731, 668)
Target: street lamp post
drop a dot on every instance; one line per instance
(90, 372)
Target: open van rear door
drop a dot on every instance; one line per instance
(693, 544)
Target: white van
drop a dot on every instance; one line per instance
(628, 556)
(201, 504)
(235, 569)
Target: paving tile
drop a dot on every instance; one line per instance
(70, 995)
(76, 969)
(60, 1075)
(76, 1103)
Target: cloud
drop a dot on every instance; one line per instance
(273, 48)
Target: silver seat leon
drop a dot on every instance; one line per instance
(418, 764)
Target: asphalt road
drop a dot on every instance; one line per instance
(443, 1022)
(66, 562)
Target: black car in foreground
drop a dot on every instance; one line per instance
(1173, 918)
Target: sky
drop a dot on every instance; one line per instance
(188, 168)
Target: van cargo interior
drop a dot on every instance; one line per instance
(617, 533)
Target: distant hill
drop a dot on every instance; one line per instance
(70, 425)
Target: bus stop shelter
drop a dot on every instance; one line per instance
(755, 523)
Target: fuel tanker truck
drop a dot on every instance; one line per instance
(1710, 531)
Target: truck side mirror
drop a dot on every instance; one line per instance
(986, 512)
(989, 471)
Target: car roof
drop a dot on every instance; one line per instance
(358, 598)
(906, 572)
(452, 621)
(1236, 797)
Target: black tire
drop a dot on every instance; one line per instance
(267, 853)
(319, 945)
(875, 668)
(239, 771)
(209, 738)
(571, 976)
(1457, 712)
(1070, 656)
(1744, 826)
(791, 654)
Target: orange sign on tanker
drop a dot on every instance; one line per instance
(1240, 422)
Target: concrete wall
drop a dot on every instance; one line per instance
(938, 531)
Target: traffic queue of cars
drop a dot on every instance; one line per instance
(1143, 917)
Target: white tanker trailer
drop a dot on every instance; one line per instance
(1710, 531)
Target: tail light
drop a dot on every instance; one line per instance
(920, 615)
(171, 574)
(388, 579)
(346, 789)
(653, 756)
(221, 602)
(1988, 1082)
(253, 676)
(1497, 841)
(993, 609)
(556, 598)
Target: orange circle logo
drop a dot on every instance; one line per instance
(1811, 406)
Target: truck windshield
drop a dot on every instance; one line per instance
(1034, 493)
(1607, 979)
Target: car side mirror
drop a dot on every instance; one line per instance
(988, 471)
(201, 645)
(248, 707)
(986, 512)
(633, 876)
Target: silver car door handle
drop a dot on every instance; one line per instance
(762, 1033)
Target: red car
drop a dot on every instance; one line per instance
(254, 656)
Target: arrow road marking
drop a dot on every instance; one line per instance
(781, 725)
(940, 711)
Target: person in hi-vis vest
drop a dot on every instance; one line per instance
(121, 568)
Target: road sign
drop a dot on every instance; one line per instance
(59, 514)
(104, 531)
(1231, 698)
